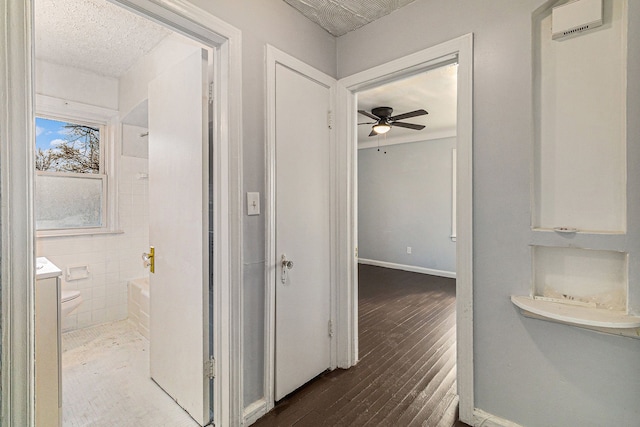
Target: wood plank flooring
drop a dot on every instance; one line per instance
(406, 375)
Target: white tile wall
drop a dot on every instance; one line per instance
(113, 259)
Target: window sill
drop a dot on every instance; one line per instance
(75, 233)
(602, 320)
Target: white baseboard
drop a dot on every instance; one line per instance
(485, 419)
(254, 411)
(412, 268)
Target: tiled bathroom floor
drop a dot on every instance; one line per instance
(105, 381)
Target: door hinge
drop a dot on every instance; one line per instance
(210, 368)
(211, 93)
(356, 252)
(331, 328)
(330, 119)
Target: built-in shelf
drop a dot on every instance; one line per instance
(573, 134)
(603, 320)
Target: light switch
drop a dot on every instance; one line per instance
(253, 203)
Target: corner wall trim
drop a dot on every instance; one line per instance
(254, 411)
(412, 268)
(485, 419)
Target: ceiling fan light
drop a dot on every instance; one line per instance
(381, 128)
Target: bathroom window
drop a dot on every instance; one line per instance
(71, 183)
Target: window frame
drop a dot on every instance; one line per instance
(52, 108)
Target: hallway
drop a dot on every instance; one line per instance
(406, 375)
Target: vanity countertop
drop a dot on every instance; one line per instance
(45, 269)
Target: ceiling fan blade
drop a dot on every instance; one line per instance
(368, 114)
(415, 113)
(373, 133)
(368, 123)
(408, 125)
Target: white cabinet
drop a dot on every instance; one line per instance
(48, 372)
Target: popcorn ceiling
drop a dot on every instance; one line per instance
(338, 17)
(93, 35)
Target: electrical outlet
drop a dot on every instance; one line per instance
(408, 249)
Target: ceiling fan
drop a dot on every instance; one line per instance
(384, 120)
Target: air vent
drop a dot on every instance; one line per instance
(575, 17)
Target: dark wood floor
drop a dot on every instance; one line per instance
(406, 375)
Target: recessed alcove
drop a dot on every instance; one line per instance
(590, 278)
(580, 125)
(580, 287)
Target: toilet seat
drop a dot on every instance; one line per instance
(69, 301)
(67, 296)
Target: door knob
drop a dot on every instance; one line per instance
(148, 259)
(286, 265)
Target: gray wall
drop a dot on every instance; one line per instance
(404, 199)
(532, 372)
(276, 23)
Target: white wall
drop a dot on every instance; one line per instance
(404, 199)
(531, 372)
(77, 85)
(580, 82)
(112, 259)
(133, 84)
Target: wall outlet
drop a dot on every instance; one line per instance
(408, 249)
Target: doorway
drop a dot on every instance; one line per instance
(460, 51)
(18, 406)
(406, 245)
(300, 277)
(406, 184)
(133, 127)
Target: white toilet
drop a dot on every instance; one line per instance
(70, 300)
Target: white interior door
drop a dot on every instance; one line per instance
(302, 144)
(178, 224)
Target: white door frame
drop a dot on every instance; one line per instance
(16, 191)
(274, 56)
(347, 327)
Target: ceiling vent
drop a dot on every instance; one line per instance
(575, 17)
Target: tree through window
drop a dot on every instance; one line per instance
(67, 147)
(70, 182)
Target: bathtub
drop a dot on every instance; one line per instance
(139, 305)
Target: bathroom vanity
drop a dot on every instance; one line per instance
(48, 349)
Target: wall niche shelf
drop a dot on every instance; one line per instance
(580, 127)
(599, 319)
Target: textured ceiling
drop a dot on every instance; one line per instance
(339, 17)
(434, 90)
(93, 35)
